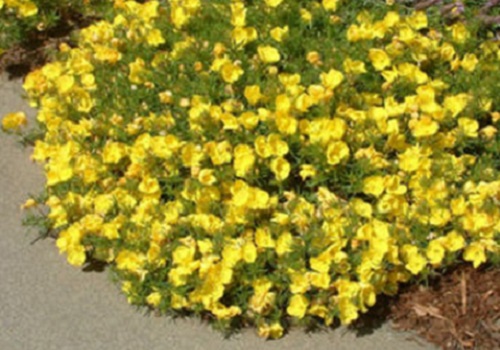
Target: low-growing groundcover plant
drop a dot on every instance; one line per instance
(270, 162)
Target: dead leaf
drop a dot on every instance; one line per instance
(422, 310)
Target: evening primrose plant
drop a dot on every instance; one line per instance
(270, 162)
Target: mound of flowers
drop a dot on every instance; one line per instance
(270, 162)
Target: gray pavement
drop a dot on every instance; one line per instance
(47, 304)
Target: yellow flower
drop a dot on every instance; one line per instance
(206, 177)
(468, 126)
(262, 299)
(362, 208)
(283, 103)
(69, 237)
(110, 230)
(59, 170)
(155, 38)
(183, 255)
(249, 252)
(244, 35)
(64, 83)
(129, 260)
(103, 203)
(205, 246)
(76, 255)
(279, 33)
(280, 167)
(354, 67)
(330, 4)
(244, 159)
(165, 97)
(332, 79)
(489, 132)
(297, 306)
(230, 121)
(409, 161)
(223, 312)
(149, 185)
(178, 301)
(391, 18)
(336, 152)
(447, 52)
(273, 3)
(137, 71)
(415, 262)
(374, 185)
(191, 155)
(314, 58)
(417, 20)
(379, 59)
(367, 296)
(252, 94)
(220, 153)
(231, 72)
(268, 54)
(456, 104)
(178, 15)
(259, 199)
(322, 262)
(439, 216)
(273, 331)
(30, 203)
(231, 254)
(238, 14)
(286, 125)
(249, 120)
(284, 243)
(469, 62)
(27, 9)
(154, 299)
(148, 11)
(306, 171)
(425, 96)
(305, 15)
(495, 116)
(435, 252)
(300, 282)
(263, 238)
(14, 121)
(348, 311)
(178, 276)
(113, 152)
(475, 253)
(423, 126)
(241, 193)
(320, 280)
(277, 145)
(459, 32)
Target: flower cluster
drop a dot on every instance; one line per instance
(291, 162)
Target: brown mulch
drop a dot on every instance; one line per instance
(21, 59)
(459, 310)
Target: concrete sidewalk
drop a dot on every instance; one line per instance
(47, 304)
